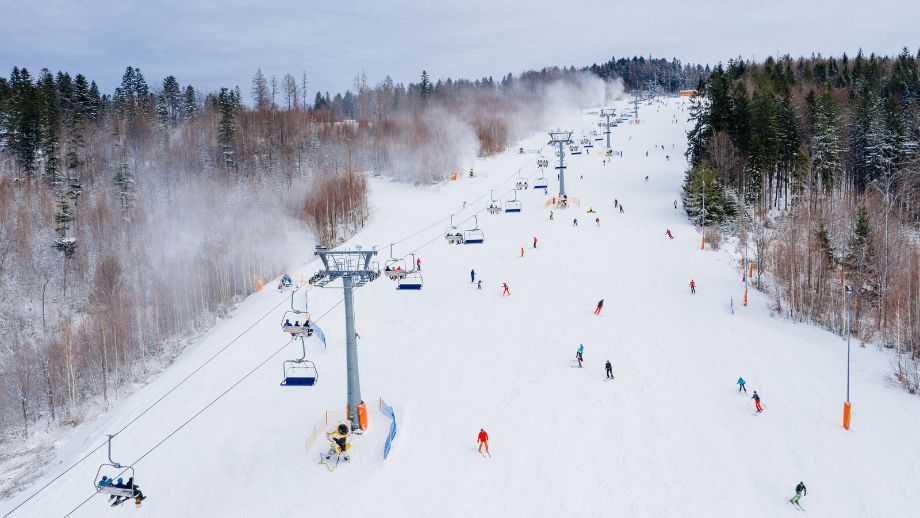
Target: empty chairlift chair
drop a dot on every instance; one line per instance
(412, 280)
(513, 205)
(300, 372)
(540, 183)
(474, 235)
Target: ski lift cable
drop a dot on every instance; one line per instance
(205, 407)
(149, 407)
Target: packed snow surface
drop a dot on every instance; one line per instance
(669, 436)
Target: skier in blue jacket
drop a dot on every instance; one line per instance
(741, 383)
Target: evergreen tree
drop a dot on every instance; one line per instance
(189, 103)
(705, 199)
(825, 145)
(226, 125)
(49, 128)
(424, 86)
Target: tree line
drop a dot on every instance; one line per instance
(813, 162)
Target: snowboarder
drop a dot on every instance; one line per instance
(800, 491)
(472, 276)
(505, 290)
(741, 386)
(575, 222)
(668, 232)
(483, 440)
(692, 287)
(418, 264)
(609, 370)
(600, 306)
(756, 399)
(479, 284)
(621, 208)
(535, 241)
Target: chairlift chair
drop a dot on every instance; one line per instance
(540, 183)
(300, 372)
(513, 205)
(411, 281)
(453, 235)
(494, 207)
(474, 235)
(113, 471)
(394, 268)
(296, 321)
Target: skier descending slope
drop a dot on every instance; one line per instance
(579, 355)
(505, 290)
(668, 233)
(472, 276)
(741, 386)
(483, 440)
(609, 368)
(800, 491)
(692, 287)
(535, 241)
(600, 306)
(756, 398)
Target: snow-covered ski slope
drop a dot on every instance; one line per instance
(669, 437)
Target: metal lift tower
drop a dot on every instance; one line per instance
(562, 139)
(608, 112)
(354, 267)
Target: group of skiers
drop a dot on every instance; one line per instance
(136, 493)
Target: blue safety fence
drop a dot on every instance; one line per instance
(387, 410)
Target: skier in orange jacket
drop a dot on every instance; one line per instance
(483, 439)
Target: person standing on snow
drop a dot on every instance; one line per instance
(621, 208)
(615, 203)
(483, 440)
(597, 221)
(756, 399)
(741, 386)
(505, 289)
(600, 306)
(535, 241)
(550, 215)
(675, 204)
(800, 491)
(609, 370)
(668, 232)
(692, 287)
(575, 222)
(479, 284)
(418, 264)
(580, 354)
(472, 276)
(522, 251)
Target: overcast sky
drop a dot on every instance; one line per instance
(222, 42)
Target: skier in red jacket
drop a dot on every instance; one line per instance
(534, 242)
(692, 287)
(483, 439)
(505, 289)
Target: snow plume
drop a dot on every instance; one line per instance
(428, 144)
